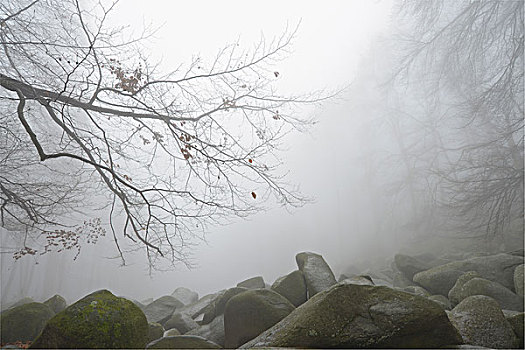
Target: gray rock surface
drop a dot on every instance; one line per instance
(357, 316)
(155, 331)
(56, 303)
(292, 287)
(161, 309)
(171, 332)
(185, 295)
(363, 280)
(416, 290)
(182, 342)
(455, 295)
(182, 322)
(252, 283)
(515, 319)
(441, 300)
(199, 307)
(409, 265)
(213, 331)
(480, 286)
(518, 279)
(218, 304)
(480, 321)
(252, 312)
(24, 323)
(317, 273)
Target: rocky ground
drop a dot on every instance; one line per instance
(419, 301)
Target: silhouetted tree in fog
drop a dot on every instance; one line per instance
(87, 119)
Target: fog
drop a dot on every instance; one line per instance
(343, 162)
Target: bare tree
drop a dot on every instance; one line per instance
(91, 120)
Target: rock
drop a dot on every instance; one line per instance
(481, 286)
(416, 290)
(292, 287)
(364, 280)
(24, 323)
(20, 302)
(182, 322)
(146, 301)
(518, 279)
(441, 300)
(401, 281)
(138, 303)
(185, 296)
(155, 331)
(480, 321)
(357, 316)
(317, 273)
(199, 307)
(171, 332)
(213, 331)
(409, 266)
(252, 283)
(252, 312)
(56, 303)
(217, 306)
(498, 268)
(515, 320)
(161, 309)
(182, 342)
(455, 295)
(99, 320)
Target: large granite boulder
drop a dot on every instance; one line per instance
(417, 290)
(480, 286)
(20, 302)
(409, 266)
(252, 283)
(292, 287)
(217, 306)
(401, 281)
(515, 320)
(213, 331)
(364, 280)
(56, 303)
(99, 320)
(182, 342)
(317, 273)
(24, 323)
(481, 322)
(161, 309)
(441, 300)
(518, 279)
(194, 310)
(498, 268)
(155, 331)
(250, 313)
(455, 294)
(360, 316)
(182, 322)
(185, 295)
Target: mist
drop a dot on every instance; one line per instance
(373, 165)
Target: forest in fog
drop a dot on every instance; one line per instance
(125, 168)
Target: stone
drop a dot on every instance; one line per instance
(99, 320)
(182, 342)
(416, 290)
(185, 295)
(292, 287)
(252, 312)
(182, 322)
(20, 302)
(198, 308)
(360, 316)
(481, 286)
(480, 321)
(317, 273)
(441, 300)
(56, 303)
(455, 295)
(155, 331)
(217, 306)
(401, 281)
(515, 320)
(409, 266)
(171, 332)
(518, 279)
(161, 309)
(364, 280)
(213, 331)
(498, 268)
(24, 323)
(252, 283)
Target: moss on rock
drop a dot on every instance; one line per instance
(99, 320)
(24, 322)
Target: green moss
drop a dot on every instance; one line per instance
(100, 320)
(24, 322)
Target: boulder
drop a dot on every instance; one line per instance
(364, 280)
(401, 281)
(515, 319)
(161, 309)
(416, 290)
(292, 287)
(20, 302)
(155, 331)
(213, 331)
(357, 316)
(182, 322)
(24, 323)
(498, 268)
(185, 295)
(506, 299)
(171, 332)
(182, 342)
(441, 300)
(252, 312)
(518, 279)
(199, 307)
(409, 266)
(480, 321)
(217, 306)
(56, 303)
(455, 294)
(99, 320)
(252, 283)
(317, 273)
